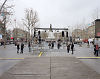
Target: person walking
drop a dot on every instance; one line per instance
(72, 47)
(94, 49)
(68, 48)
(29, 46)
(58, 45)
(49, 45)
(22, 47)
(18, 47)
(97, 49)
(52, 44)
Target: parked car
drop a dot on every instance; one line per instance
(78, 41)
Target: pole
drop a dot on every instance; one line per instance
(15, 30)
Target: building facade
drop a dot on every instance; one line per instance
(20, 34)
(84, 33)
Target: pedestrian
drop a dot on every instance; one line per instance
(58, 45)
(97, 49)
(29, 46)
(72, 47)
(39, 39)
(18, 47)
(22, 47)
(88, 44)
(52, 44)
(68, 48)
(94, 49)
(49, 45)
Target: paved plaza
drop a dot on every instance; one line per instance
(52, 64)
(50, 68)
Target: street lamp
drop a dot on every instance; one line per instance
(15, 30)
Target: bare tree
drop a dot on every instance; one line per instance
(5, 11)
(2, 5)
(30, 20)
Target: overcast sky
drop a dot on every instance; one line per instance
(59, 13)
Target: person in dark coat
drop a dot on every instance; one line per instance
(22, 47)
(52, 44)
(29, 46)
(18, 47)
(58, 45)
(49, 44)
(68, 48)
(72, 47)
(94, 49)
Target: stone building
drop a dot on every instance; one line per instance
(77, 33)
(91, 31)
(84, 33)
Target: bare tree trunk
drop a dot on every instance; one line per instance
(3, 5)
(3, 10)
(5, 33)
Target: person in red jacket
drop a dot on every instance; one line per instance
(97, 49)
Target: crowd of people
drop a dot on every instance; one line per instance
(70, 46)
(51, 44)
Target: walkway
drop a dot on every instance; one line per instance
(50, 68)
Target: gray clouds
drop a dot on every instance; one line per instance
(58, 12)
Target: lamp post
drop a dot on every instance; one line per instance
(15, 30)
